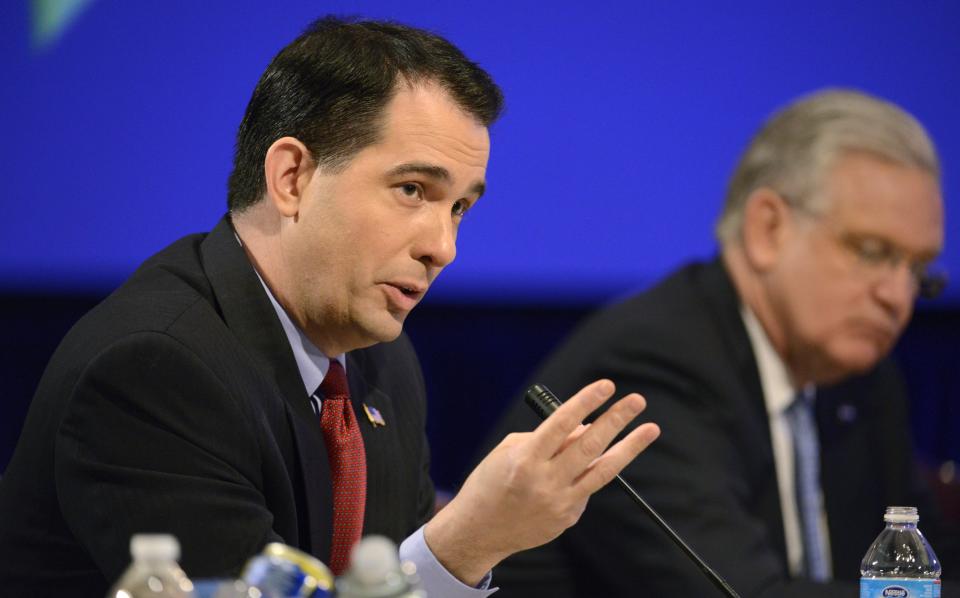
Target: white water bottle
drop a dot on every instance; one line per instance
(900, 563)
(154, 572)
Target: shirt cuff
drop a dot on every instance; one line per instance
(434, 578)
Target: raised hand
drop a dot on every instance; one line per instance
(534, 485)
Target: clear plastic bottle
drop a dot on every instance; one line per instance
(154, 572)
(900, 563)
(224, 588)
(376, 572)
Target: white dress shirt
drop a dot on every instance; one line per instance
(778, 393)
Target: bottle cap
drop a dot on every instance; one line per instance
(373, 560)
(154, 547)
(376, 572)
(901, 515)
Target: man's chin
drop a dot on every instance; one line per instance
(854, 360)
(386, 330)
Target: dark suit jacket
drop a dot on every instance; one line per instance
(176, 406)
(711, 474)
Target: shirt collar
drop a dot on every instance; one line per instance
(778, 390)
(311, 362)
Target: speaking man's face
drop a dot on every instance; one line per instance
(371, 238)
(845, 281)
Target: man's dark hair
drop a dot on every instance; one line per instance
(330, 86)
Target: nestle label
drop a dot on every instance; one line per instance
(899, 588)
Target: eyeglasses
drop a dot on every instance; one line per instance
(881, 257)
(877, 257)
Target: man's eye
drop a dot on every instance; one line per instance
(411, 190)
(873, 250)
(460, 207)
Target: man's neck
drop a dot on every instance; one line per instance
(753, 295)
(259, 233)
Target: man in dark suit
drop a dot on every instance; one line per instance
(253, 384)
(831, 220)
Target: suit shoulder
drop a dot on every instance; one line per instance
(166, 288)
(159, 290)
(681, 333)
(675, 310)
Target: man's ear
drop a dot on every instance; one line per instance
(765, 226)
(287, 168)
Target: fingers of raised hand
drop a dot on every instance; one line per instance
(551, 435)
(594, 441)
(573, 437)
(603, 469)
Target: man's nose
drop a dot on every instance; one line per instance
(898, 290)
(437, 243)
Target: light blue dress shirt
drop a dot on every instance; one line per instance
(313, 366)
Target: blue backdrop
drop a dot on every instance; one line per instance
(624, 121)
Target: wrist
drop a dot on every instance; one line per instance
(457, 547)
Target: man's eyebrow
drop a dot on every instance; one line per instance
(433, 171)
(430, 170)
(479, 187)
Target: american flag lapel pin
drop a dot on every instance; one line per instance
(374, 416)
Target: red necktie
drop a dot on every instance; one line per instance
(348, 465)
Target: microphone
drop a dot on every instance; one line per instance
(544, 402)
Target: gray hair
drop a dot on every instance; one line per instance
(797, 146)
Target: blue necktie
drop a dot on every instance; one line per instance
(806, 450)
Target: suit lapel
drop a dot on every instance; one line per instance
(376, 440)
(756, 442)
(387, 447)
(250, 316)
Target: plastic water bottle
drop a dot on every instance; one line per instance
(376, 572)
(154, 572)
(900, 562)
(224, 588)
